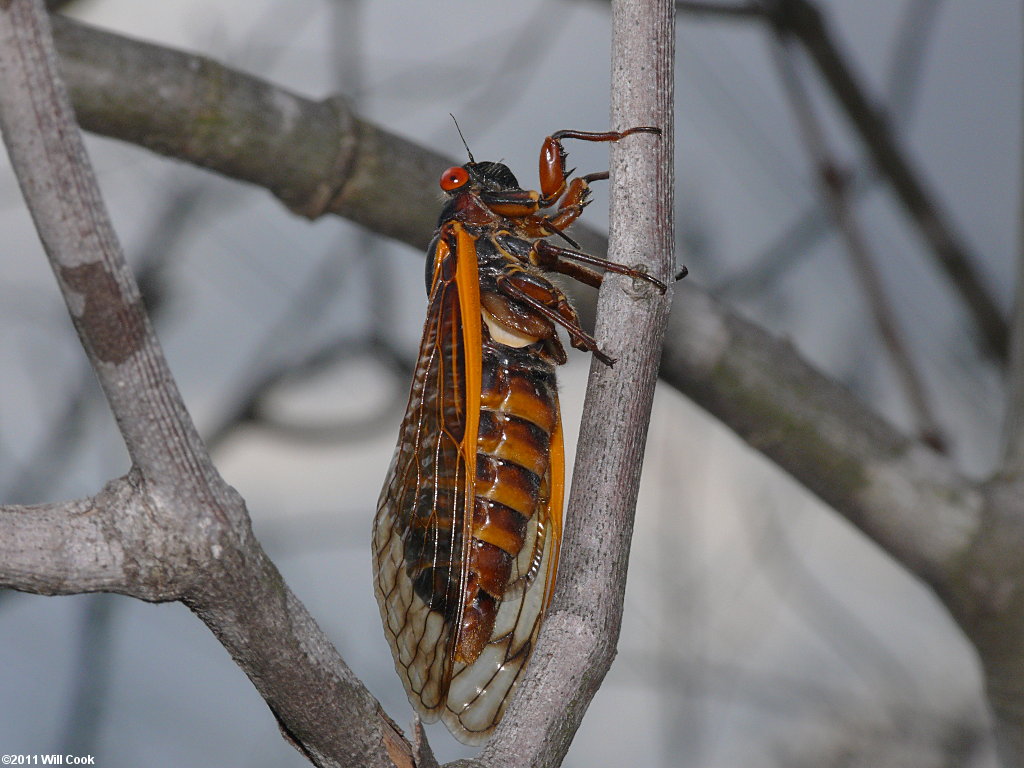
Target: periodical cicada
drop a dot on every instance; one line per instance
(468, 526)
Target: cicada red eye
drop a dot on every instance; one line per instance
(453, 178)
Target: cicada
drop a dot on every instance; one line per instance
(468, 526)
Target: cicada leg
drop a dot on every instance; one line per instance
(553, 176)
(561, 260)
(576, 198)
(548, 301)
(572, 197)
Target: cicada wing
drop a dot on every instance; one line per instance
(420, 537)
(422, 531)
(423, 527)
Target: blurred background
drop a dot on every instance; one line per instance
(760, 628)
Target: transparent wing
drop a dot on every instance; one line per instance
(419, 536)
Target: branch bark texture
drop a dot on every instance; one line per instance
(580, 634)
(171, 529)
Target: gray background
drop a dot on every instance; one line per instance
(760, 629)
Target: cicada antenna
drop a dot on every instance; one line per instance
(471, 158)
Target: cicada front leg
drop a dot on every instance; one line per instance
(575, 199)
(572, 197)
(554, 177)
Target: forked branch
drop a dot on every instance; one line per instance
(172, 529)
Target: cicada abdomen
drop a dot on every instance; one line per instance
(468, 524)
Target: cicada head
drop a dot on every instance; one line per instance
(478, 177)
(465, 185)
(493, 177)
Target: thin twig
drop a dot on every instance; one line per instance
(833, 187)
(804, 20)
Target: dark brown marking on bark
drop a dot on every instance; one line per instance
(111, 325)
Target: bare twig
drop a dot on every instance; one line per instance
(803, 20)
(833, 185)
(581, 631)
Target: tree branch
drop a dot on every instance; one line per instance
(904, 496)
(315, 156)
(581, 630)
(173, 529)
(62, 549)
